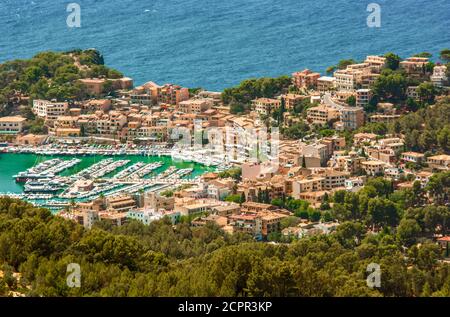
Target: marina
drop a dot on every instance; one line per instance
(55, 181)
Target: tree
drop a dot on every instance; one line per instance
(427, 92)
(234, 198)
(390, 87)
(407, 231)
(424, 54)
(382, 212)
(351, 101)
(445, 55)
(392, 61)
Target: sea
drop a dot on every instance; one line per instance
(215, 44)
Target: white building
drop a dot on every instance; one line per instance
(439, 77)
(11, 124)
(49, 110)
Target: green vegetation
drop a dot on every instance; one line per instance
(445, 55)
(165, 260)
(392, 61)
(234, 173)
(240, 97)
(50, 75)
(428, 129)
(296, 131)
(390, 86)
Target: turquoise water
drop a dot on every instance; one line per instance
(11, 164)
(217, 43)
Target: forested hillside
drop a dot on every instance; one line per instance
(166, 260)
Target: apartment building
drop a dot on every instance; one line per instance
(305, 79)
(312, 183)
(291, 100)
(322, 115)
(151, 94)
(111, 123)
(377, 63)
(356, 74)
(265, 106)
(363, 97)
(320, 151)
(351, 117)
(194, 106)
(414, 66)
(147, 216)
(374, 167)
(326, 83)
(11, 125)
(49, 110)
(345, 80)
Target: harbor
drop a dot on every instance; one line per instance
(57, 180)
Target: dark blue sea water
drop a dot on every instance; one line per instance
(217, 43)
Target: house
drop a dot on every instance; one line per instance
(11, 125)
(413, 157)
(444, 243)
(147, 216)
(440, 162)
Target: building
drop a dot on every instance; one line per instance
(195, 106)
(49, 110)
(377, 63)
(322, 115)
(363, 97)
(120, 203)
(147, 216)
(326, 83)
(374, 167)
(345, 80)
(305, 79)
(440, 162)
(95, 86)
(411, 92)
(311, 183)
(291, 100)
(413, 157)
(155, 201)
(351, 117)
(11, 125)
(383, 118)
(265, 106)
(439, 77)
(414, 66)
(260, 225)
